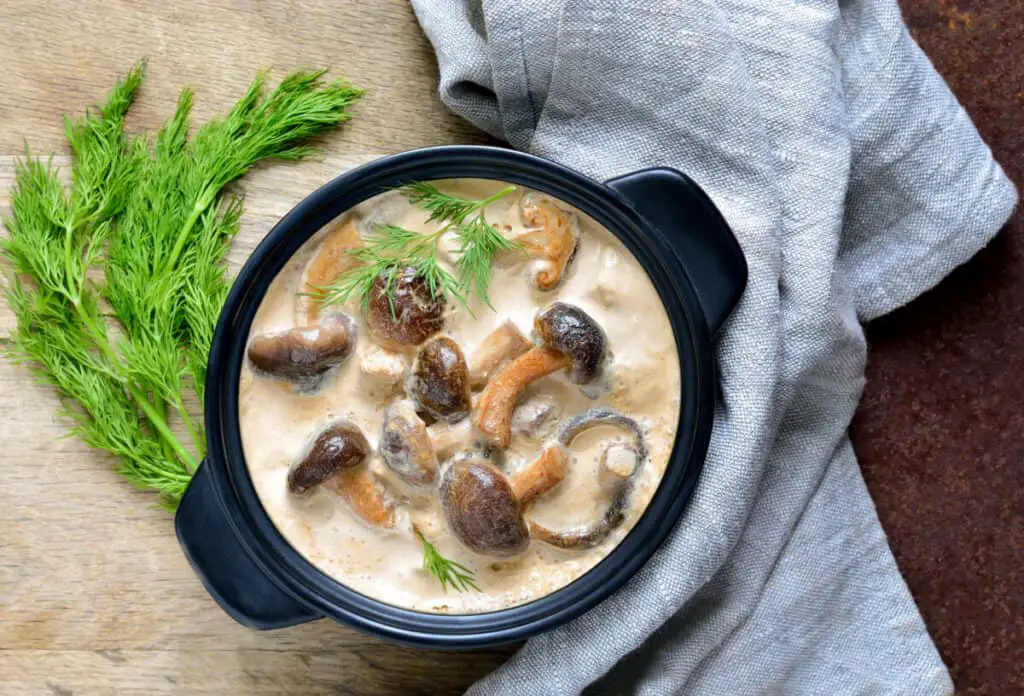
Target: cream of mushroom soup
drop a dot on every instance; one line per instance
(521, 440)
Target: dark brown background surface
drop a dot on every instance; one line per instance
(940, 433)
(95, 596)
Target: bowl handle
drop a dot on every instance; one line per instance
(226, 569)
(671, 202)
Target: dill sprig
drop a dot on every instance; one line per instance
(118, 281)
(447, 571)
(391, 248)
(385, 253)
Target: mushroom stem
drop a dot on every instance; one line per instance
(543, 474)
(358, 487)
(552, 238)
(501, 345)
(330, 261)
(593, 534)
(493, 412)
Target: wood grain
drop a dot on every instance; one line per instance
(95, 595)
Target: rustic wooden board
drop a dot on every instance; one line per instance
(95, 595)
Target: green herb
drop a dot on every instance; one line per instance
(448, 572)
(118, 281)
(385, 253)
(391, 248)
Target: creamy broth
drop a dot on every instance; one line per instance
(640, 379)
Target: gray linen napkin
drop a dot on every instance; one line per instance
(854, 181)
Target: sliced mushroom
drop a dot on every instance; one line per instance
(503, 344)
(337, 459)
(482, 509)
(439, 380)
(541, 475)
(402, 311)
(551, 238)
(405, 446)
(593, 534)
(325, 267)
(572, 339)
(304, 353)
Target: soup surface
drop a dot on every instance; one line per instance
(525, 472)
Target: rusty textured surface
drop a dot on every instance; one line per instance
(940, 432)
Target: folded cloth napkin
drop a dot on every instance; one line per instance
(854, 181)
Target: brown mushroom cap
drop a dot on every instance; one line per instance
(304, 353)
(482, 509)
(341, 445)
(439, 380)
(413, 316)
(405, 445)
(570, 330)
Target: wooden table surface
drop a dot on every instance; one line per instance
(95, 595)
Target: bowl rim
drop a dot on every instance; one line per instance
(299, 577)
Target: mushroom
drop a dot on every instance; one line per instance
(593, 534)
(543, 474)
(551, 238)
(501, 345)
(405, 446)
(325, 267)
(439, 380)
(482, 509)
(571, 339)
(402, 311)
(303, 353)
(337, 459)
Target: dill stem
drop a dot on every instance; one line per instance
(158, 422)
(73, 294)
(197, 440)
(160, 425)
(201, 205)
(160, 406)
(494, 197)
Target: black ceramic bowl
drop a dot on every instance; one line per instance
(696, 265)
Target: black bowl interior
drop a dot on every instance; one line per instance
(298, 576)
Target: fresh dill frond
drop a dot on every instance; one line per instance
(442, 207)
(390, 248)
(387, 250)
(447, 571)
(124, 347)
(479, 243)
